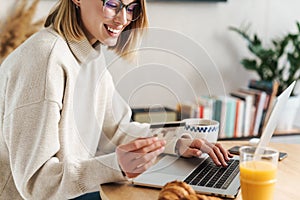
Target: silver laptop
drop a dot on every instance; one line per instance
(201, 173)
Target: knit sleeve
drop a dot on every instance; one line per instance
(39, 173)
(44, 151)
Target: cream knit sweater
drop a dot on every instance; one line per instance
(60, 120)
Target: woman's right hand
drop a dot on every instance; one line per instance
(138, 155)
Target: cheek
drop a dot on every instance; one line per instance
(91, 17)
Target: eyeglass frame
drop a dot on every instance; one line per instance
(122, 5)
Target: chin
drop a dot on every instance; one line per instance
(110, 42)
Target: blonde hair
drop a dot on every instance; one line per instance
(65, 19)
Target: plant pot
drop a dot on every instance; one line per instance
(290, 114)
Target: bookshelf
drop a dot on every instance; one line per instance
(245, 110)
(242, 114)
(295, 131)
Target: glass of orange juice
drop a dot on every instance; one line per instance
(258, 173)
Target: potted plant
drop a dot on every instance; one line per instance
(280, 62)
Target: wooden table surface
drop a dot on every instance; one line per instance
(287, 186)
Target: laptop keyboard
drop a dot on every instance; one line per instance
(207, 174)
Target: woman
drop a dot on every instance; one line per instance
(64, 129)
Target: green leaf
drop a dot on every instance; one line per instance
(298, 26)
(249, 64)
(265, 63)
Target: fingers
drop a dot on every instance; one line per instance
(198, 146)
(141, 164)
(138, 155)
(137, 171)
(192, 152)
(141, 160)
(216, 155)
(140, 150)
(139, 143)
(151, 147)
(224, 151)
(211, 150)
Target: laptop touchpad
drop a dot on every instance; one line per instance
(175, 165)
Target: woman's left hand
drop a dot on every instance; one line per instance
(138, 155)
(195, 147)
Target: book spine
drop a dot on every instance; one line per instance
(266, 86)
(271, 102)
(248, 112)
(217, 110)
(230, 117)
(259, 113)
(239, 118)
(201, 111)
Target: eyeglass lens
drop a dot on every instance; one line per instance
(112, 7)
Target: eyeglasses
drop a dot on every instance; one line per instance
(112, 7)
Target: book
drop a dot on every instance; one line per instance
(217, 115)
(271, 88)
(260, 113)
(230, 114)
(217, 109)
(207, 104)
(188, 110)
(266, 86)
(202, 108)
(248, 110)
(259, 97)
(154, 115)
(224, 113)
(239, 118)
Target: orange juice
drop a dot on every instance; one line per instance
(257, 180)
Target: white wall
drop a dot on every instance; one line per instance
(191, 51)
(201, 36)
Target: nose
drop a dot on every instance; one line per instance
(121, 17)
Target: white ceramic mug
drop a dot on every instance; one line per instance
(202, 128)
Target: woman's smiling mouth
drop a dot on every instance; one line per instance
(113, 32)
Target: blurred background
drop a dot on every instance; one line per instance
(188, 50)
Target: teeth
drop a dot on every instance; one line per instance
(113, 30)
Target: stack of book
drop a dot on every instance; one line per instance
(241, 113)
(154, 115)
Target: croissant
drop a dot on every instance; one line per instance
(178, 190)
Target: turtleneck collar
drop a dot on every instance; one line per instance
(83, 50)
